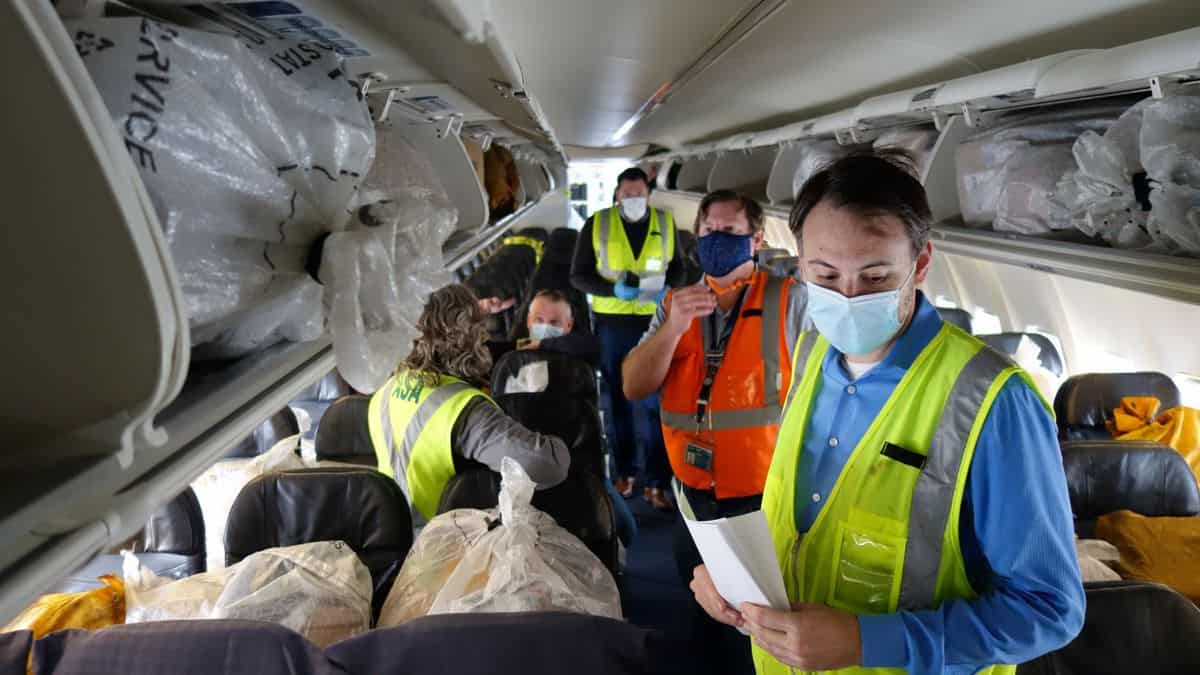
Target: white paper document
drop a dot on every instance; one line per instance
(740, 557)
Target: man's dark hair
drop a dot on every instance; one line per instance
(633, 173)
(870, 182)
(752, 209)
(554, 295)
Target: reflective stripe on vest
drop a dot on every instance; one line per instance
(886, 537)
(421, 459)
(614, 255)
(522, 240)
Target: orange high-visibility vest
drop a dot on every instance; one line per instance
(741, 419)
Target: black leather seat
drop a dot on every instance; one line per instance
(580, 505)
(361, 507)
(554, 273)
(1108, 476)
(957, 317)
(171, 545)
(1084, 403)
(276, 428)
(316, 399)
(1007, 343)
(1130, 627)
(687, 245)
(568, 408)
(344, 435)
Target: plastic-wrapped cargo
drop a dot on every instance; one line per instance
(90, 610)
(320, 590)
(510, 559)
(817, 155)
(1008, 172)
(917, 140)
(1138, 185)
(249, 151)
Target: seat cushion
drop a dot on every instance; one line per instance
(180, 648)
(1084, 403)
(533, 643)
(1130, 627)
(344, 434)
(1146, 478)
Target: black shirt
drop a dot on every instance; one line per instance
(586, 278)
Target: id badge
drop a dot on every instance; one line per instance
(654, 265)
(699, 455)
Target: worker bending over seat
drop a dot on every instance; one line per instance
(431, 416)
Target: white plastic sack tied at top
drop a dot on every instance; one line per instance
(320, 590)
(250, 150)
(511, 559)
(1008, 172)
(1138, 185)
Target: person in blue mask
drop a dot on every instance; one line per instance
(916, 497)
(717, 353)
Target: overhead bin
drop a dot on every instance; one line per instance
(910, 106)
(1126, 68)
(694, 173)
(746, 171)
(1000, 88)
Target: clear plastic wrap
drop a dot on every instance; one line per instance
(917, 140)
(1031, 152)
(378, 276)
(511, 559)
(249, 149)
(817, 154)
(1170, 146)
(219, 485)
(320, 590)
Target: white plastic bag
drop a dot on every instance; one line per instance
(1170, 147)
(511, 559)
(218, 487)
(320, 590)
(532, 378)
(1029, 357)
(986, 159)
(249, 149)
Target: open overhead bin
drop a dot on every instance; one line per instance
(746, 171)
(694, 172)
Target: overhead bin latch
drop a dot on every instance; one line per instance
(454, 125)
(972, 116)
(1162, 86)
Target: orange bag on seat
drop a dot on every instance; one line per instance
(92, 610)
(1163, 550)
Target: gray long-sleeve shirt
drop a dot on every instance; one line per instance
(485, 434)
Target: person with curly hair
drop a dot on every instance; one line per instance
(431, 419)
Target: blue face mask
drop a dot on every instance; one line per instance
(544, 331)
(721, 252)
(857, 325)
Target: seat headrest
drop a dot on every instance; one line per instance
(1087, 401)
(359, 506)
(276, 428)
(344, 434)
(569, 375)
(560, 247)
(177, 527)
(1130, 627)
(576, 421)
(956, 317)
(1007, 343)
(1146, 478)
(180, 647)
(328, 388)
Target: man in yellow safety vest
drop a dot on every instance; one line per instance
(916, 497)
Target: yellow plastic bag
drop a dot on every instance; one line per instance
(92, 610)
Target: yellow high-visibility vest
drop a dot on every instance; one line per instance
(614, 255)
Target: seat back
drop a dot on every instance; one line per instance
(1108, 476)
(687, 246)
(276, 428)
(956, 317)
(344, 435)
(1130, 627)
(580, 505)
(179, 647)
(316, 399)
(359, 506)
(1084, 403)
(554, 273)
(1007, 343)
(568, 408)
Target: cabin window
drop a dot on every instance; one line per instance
(985, 323)
(944, 301)
(1189, 389)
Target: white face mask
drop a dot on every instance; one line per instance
(634, 208)
(544, 331)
